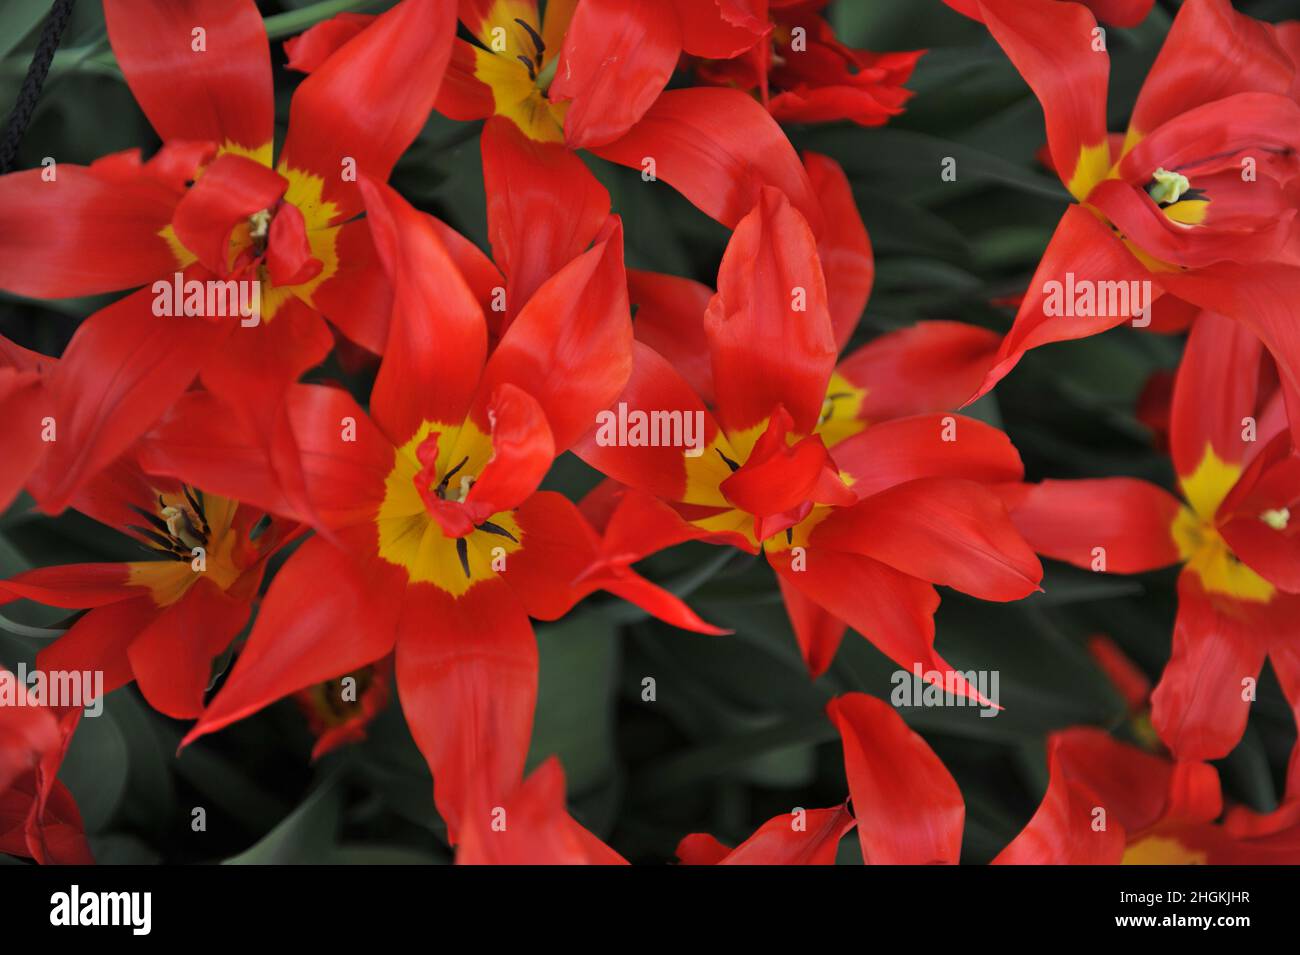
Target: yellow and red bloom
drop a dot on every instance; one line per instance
(803, 74)
(857, 522)
(39, 818)
(593, 78)
(435, 542)
(1232, 532)
(160, 622)
(212, 207)
(590, 71)
(1197, 198)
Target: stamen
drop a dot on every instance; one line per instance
(537, 40)
(158, 523)
(462, 551)
(196, 502)
(259, 228)
(164, 544)
(532, 70)
(1168, 187)
(441, 489)
(730, 463)
(1277, 518)
(490, 528)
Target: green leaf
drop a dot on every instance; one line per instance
(575, 700)
(305, 836)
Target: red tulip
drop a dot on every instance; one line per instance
(1232, 532)
(445, 545)
(38, 817)
(211, 207)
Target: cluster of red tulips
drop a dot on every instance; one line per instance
(420, 544)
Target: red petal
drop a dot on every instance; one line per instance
(327, 613)
(438, 340)
(927, 367)
(1130, 519)
(309, 49)
(778, 478)
(1051, 44)
(346, 460)
(74, 586)
(943, 530)
(670, 319)
(1263, 296)
(1123, 674)
(1197, 707)
(538, 829)
(905, 449)
(172, 657)
(1137, 789)
(563, 560)
(357, 299)
(522, 453)
(767, 350)
(818, 632)
(99, 641)
(617, 58)
(1216, 387)
(82, 234)
(892, 610)
(24, 405)
(1269, 483)
(123, 368)
(467, 676)
(463, 96)
(1211, 52)
(1061, 831)
(571, 346)
(662, 470)
(777, 841)
(710, 33)
(370, 100)
(1082, 250)
(544, 207)
(222, 93)
(844, 246)
(908, 806)
(718, 148)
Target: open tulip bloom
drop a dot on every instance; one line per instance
(320, 484)
(1195, 200)
(278, 239)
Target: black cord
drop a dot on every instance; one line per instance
(21, 117)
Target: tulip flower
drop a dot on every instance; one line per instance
(1195, 200)
(1232, 533)
(215, 207)
(804, 74)
(436, 542)
(38, 817)
(162, 621)
(857, 522)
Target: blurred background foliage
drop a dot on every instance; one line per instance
(737, 732)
